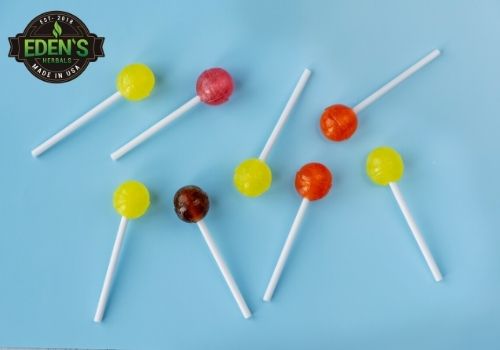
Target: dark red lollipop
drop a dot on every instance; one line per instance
(191, 204)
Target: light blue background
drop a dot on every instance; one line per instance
(355, 279)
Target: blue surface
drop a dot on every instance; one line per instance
(355, 279)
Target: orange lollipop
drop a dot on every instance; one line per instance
(313, 181)
(339, 122)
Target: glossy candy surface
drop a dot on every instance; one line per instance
(252, 177)
(135, 82)
(384, 165)
(191, 204)
(313, 181)
(338, 122)
(131, 199)
(214, 86)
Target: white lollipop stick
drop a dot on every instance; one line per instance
(113, 262)
(285, 114)
(396, 81)
(68, 130)
(120, 152)
(224, 270)
(286, 250)
(416, 232)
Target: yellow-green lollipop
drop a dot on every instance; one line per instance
(252, 177)
(135, 82)
(384, 165)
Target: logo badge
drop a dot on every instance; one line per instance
(56, 47)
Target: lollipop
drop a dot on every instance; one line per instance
(253, 176)
(313, 182)
(214, 87)
(339, 122)
(191, 205)
(385, 167)
(135, 82)
(131, 201)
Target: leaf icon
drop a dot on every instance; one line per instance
(57, 31)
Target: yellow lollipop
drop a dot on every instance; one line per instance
(384, 166)
(252, 177)
(135, 82)
(131, 201)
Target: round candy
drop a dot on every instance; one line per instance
(135, 81)
(384, 165)
(338, 122)
(214, 86)
(191, 204)
(313, 181)
(131, 199)
(252, 177)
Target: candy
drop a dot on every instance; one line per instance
(385, 166)
(339, 122)
(253, 176)
(191, 204)
(214, 87)
(133, 83)
(131, 201)
(313, 181)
